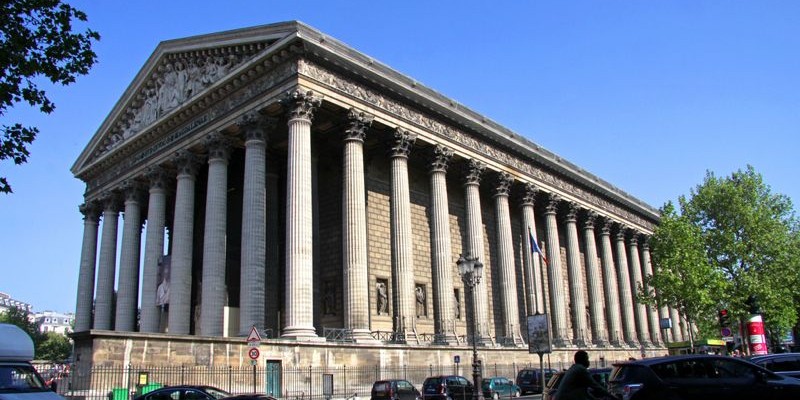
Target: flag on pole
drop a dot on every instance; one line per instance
(535, 247)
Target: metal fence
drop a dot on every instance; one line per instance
(307, 383)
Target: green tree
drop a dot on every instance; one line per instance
(54, 347)
(685, 279)
(744, 237)
(21, 318)
(37, 41)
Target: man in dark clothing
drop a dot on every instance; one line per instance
(576, 381)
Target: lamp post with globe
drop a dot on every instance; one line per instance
(471, 271)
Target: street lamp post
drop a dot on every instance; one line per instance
(471, 271)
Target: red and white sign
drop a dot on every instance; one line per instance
(253, 353)
(755, 331)
(253, 339)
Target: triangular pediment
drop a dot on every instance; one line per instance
(178, 72)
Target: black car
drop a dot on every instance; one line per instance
(701, 377)
(529, 379)
(786, 364)
(447, 387)
(394, 389)
(185, 392)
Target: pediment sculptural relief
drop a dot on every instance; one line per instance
(176, 80)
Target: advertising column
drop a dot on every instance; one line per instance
(755, 330)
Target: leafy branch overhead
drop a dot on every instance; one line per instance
(37, 41)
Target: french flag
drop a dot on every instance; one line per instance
(535, 247)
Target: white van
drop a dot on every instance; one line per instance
(18, 378)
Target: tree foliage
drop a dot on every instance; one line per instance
(37, 41)
(21, 318)
(53, 347)
(733, 238)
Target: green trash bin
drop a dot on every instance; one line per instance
(150, 387)
(118, 394)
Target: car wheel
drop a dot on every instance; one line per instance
(517, 393)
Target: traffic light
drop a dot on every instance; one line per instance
(724, 318)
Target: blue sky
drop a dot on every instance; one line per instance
(647, 95)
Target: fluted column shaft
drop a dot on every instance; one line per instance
(354, 218)
(652, 312)
(677, 335)
(626, 298)
(254, 225)
(474, 222)
(83, 303)
(636, 280)
(505, 258)
(610, 286)
(104, 299)
(128, 286)
(299, 224)
(575, 277)
(402, 254)
(273, 285)
(441, 248)
(599, 335)
(214, 290)
(554, 276)
(153, 249)
(534, 297)
(180, 286)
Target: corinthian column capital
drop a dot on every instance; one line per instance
(571, 214)
(589, 219)
(474, 172)
(504, 182)
(441, 158)
(529, 197)
(218, 145)
(403, 142)
(90, 211)
(111, 201)
(301, 105)
(254, 125)
(132, 190)
(186, 162)
(156, 176)
(358, 125)
(552, 204)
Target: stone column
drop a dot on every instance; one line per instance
(610, 285)
(599, 336)
(575, 276)
(83, 303)
(652, 313)
(354, 218)
(505, 259)
(299, 222)
(554, 276)
(254, 224)
(441, 249)
(626, 298)
(104, 299)
(402, 254)
(636, 281)
(128, 286)
(474, 246)
(180, 283)
(272, 290)
(153, 248)
(533, 270)
(214, 291)
(676, 325)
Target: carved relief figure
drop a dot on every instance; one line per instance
(383, 298)
(456, 304)
(419, 292)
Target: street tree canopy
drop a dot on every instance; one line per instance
(37, 41)
(731, 239)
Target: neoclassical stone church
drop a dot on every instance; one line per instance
(275, 177)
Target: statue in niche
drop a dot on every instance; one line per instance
(383, 298)
(457, 304)
(419, 292)
(329, 300)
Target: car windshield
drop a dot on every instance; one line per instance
(20, 378)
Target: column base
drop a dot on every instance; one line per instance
(300, 334)
(562, 342)
(363, 336)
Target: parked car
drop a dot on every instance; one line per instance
(394, 389)
(601, 375)
(185, 392)
(786, 364)
(251, 396)
(699, 376)
(447, 387)
(497, 387)
(529, 379)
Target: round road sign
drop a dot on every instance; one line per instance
(253, 353)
